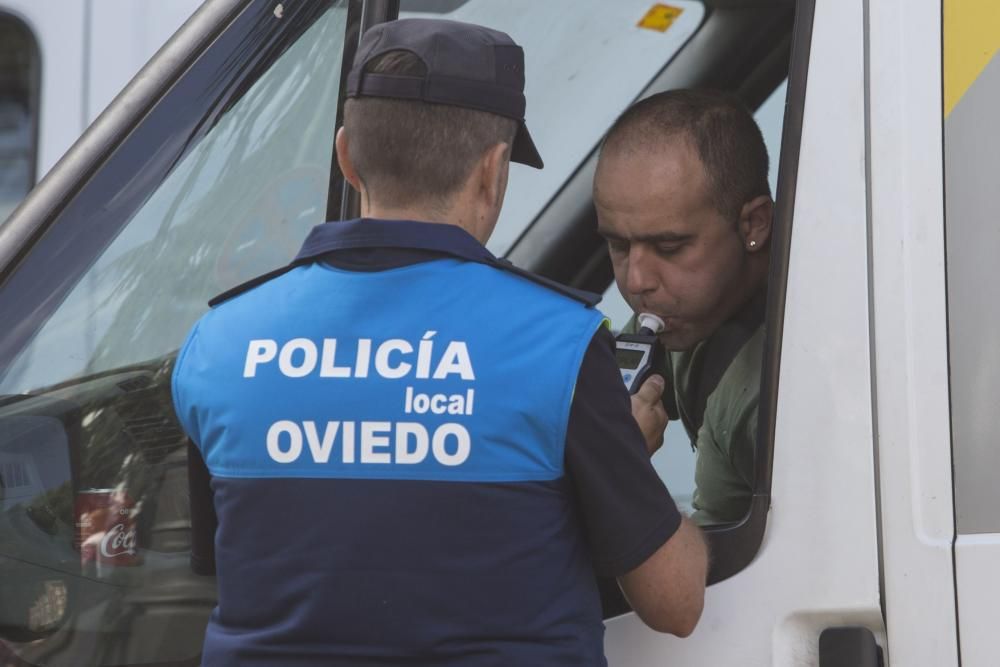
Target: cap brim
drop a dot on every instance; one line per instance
(523, 150)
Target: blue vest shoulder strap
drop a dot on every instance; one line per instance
(249, 285)
(589, 298)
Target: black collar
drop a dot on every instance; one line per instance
(371, 233)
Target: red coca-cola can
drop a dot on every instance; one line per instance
(105, 529)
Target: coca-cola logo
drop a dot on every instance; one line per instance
(118, 541)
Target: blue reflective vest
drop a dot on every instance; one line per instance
(386, 451)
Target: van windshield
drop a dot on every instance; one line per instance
(237, 204)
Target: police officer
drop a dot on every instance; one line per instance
(406, 468)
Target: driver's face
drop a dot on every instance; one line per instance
(674, 254)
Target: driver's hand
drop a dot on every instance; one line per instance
(647, 408)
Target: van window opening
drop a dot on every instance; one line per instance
(586, 62)
(675, 460)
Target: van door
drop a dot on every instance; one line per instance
(817, 566)
(210, 169)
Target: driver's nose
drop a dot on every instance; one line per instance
(640, 278)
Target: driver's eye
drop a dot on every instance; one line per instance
(665, 250)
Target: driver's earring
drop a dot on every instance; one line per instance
(753, 244)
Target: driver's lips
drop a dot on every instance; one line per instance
(673, 326)
(671, 323)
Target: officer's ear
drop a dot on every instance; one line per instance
(492, 172)
(344, 160)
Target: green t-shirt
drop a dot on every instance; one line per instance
(716, 390)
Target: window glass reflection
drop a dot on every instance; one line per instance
(238, 204)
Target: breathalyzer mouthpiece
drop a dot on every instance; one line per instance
(650, 324)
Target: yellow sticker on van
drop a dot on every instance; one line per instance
(971, 41)
(660, 17)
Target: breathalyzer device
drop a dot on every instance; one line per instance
(639, 353)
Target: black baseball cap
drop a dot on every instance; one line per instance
(467, 66)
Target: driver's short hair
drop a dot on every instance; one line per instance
(720, 128)
(408, 151)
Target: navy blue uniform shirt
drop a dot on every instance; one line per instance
(625, 511)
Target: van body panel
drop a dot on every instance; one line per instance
(89, 51)
(57, 27)
(971, 164)
(976, 558)
(972, 155)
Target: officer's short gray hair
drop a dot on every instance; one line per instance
(408, 152)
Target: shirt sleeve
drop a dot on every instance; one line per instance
(182, 408)
(201, 500)
(724, 469)
(203, 518)
(627, 511)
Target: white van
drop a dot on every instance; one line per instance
(61, 62)
(873, 534)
